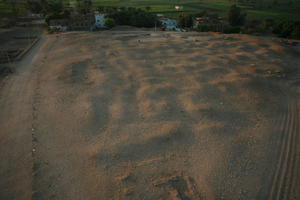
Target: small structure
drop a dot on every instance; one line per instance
(169, 24)
(200, 20)
(99, 20)
(35, 15)
(61, 25)
(178, 7)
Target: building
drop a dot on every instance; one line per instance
(99, 20)
(35, 15)
(169, 24)
(178, 7)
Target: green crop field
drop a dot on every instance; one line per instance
(283, 10)
(6, 8)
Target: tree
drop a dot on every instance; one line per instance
(34, 6)
(48, 7)
(296, 32)
(235, 17)
(101, 9)
(13, 4)
(259, 3)
(55, 6)
(288, 29)
(84, 6)
(148, 8)
(185, 20)
(133, 17)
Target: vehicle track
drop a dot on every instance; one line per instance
(284, 180)
(36, 100)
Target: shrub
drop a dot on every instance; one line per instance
(287, 29)
(63, 15)
(296, 33)
(185, 20)
(35, 6)
(235, 17)
(133, 17)
(209, 27)
(268, 23)
(231, 29)
(109, 22)
(204, 28)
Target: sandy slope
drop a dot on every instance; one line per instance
(144, 115)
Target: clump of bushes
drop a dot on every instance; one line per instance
(219, 28)
(185, 20)
(210, 27)
(288, 29)
(296, 32)
(62, 15)
(235, 16)
(231, 29)
(236, 19)
(205, 28)
(256, 27)
(237, 23)
(109, 22)
(133, 17)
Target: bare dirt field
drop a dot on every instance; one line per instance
(151, 116)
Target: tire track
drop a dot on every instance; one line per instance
(284, 177)
(291, 171)
(36, 100)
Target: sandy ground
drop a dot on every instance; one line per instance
(149, 116)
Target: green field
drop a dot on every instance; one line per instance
(167, 7)
(283, 10)
(6, 8)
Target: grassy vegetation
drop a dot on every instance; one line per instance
(4, 8)
(7, 8)
(268, 10)
(283, 10)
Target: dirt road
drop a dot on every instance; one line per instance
(144, 115)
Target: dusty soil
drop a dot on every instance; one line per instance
(148, 116)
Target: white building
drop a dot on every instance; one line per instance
(34, 15)
(178, 7)
(99, 20)
(169, 24)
